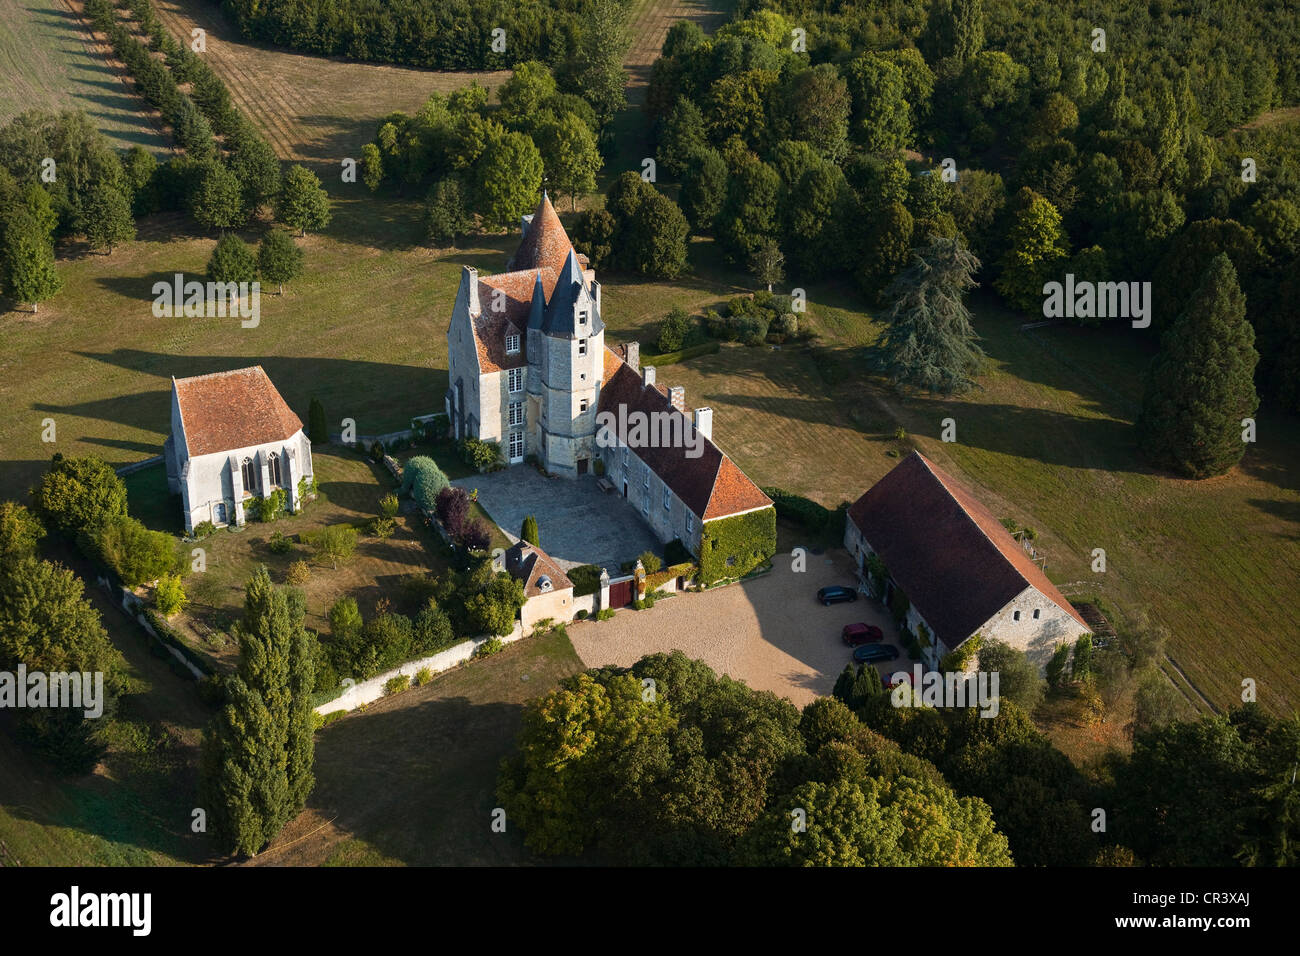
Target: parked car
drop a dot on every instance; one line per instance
(836, 593)
(855, 634)
(871, 653)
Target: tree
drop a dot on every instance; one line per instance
(317, 429)
(169, 595)
(303, 202)
(423, 480)
(768, 263)
(333, 543)
(135, 553)
(843, 689)
(1057, 666)
(866, 685)
(1037, 244)
(593, 235)
(704, 187)
(526, 92)
(1081, 663)
(372, 167)
(1018, 678)
(673, 330)
(749, 213)
(345, 620)
(28, 261)
(218, 202)
(20, 533)
(683, 136)
(1201, 386)
(929, 342)
(882, 119)
(106, 218)
(570, 159)
(256, 769)
(889, 244)
(815, 108)
(968, 29)
(595, 72)
(452, 509)
(494, 609)
(279, 259)
(507, 178)
(446, 214)
(529, 532)
(654, 238)
(79, 493)
(232, 260)
(255, 166)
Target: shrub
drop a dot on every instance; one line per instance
(298, 573)
(585, 578)
(673, 330)
(203, 529)
(650, 561)
(169, 595)
(306, 489)
(422, 676)
(280, 543)
(432, 631)
(582, 614)
(388, 506)
(529, 532)
(383, 527)
(604, 614)
(482, 455)
(452, 510)
(376, 452)
(424, 481)
(489, 647)
(395, 685)
(134, 552)
(272, 505)
(476, 535)
(333, 543)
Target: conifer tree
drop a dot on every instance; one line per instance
(28, 261)
(317, 428)
(1201, 385)
(843, 689)
(107, 218)
(278, 258)
(930, 342)
(530, 533)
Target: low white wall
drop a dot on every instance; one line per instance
(371, 690)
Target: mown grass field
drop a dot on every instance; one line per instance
(48, 61)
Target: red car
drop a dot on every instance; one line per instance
(855, 634)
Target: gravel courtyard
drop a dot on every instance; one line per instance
(769, 632)
(578, 523)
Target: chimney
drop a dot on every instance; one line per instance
(648, 376)
(677, 395)
(704, 422)
(632, 354)
(469, 279)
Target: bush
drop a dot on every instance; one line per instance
(481, 455)
(432, 631)
(585, 578)
(650, 561)
(383, 527)
(424, 481)
(280, 543)
(802, 511)
(395, 685)
(273, 505)
(604, 614)
(673, 330)
(298, 573)
(582, 614)
(79, 493)
(333, 543)
(489, 647)
(422, 677)
(376, 452)
(131, 550)
(203, 529)
(476, 535)
(452, 510)
(169, 595)
(388, 506)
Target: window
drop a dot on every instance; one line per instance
(516, 380)
(246, 471)
(668, 498)
(645, 504)
(516, 445)
(582, 405)
(1015, 616)
(516, 413)
(1035, 614)
(273, 468)
(690, 523)
(625, 455)
(645, 476)
(512, 344)
(582, 346)
(582, 318)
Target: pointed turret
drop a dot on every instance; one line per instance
(545, 243)
(572, 311)
(537, 310)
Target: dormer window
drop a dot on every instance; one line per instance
(512, 344)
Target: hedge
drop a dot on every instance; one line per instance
(747, 540)
(585, 578)
(654, 582)
(672, 358)
(801, 510)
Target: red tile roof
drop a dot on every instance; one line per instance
(528, 564)
(228, 410)
(491, 327)
(545, 244)
(711, 486)
(955, 562)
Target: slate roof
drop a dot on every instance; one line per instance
(711, 486)
(528, 564)
(955, 562)
(223, 411)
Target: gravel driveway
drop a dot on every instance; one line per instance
(769, 632)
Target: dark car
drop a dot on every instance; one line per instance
(871, 653)
(835, 594)
(855, 634)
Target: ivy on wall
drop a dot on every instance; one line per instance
(732, 547)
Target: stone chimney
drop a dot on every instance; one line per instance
(632, 354)
(648, 376)
(704, 422)
(677, 395)
(469, 279)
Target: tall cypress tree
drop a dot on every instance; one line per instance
(258, 752)
(1202, 384)
(968, 28)
(930, 342)
(317, 427)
